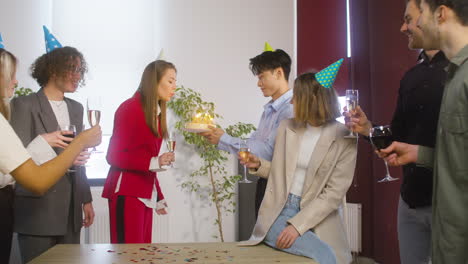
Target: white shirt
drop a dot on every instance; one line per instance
(60, 109)
(309, 141)
(40, 152)
(12, 151)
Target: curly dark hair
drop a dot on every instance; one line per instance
(59, 62)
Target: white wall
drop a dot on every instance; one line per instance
(21, 27)
(209, 41)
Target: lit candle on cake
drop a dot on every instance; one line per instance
(201, 122)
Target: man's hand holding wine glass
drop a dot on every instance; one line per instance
(250, 160)
(399, 153)
(356, 121)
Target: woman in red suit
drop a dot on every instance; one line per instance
(132, 186)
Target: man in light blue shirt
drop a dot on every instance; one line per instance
(272, 69)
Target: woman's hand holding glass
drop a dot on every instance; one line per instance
(83, 158)
(90, 137)
(57, 139)
(161, 211)
(69, 131)
(166, 159)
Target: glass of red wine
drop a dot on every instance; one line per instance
(70, 132)
(381, 137)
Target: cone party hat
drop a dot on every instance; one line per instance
(327, 76)
(50, 40)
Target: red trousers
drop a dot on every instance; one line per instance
(130, 220)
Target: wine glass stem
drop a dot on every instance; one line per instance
(172, 163)
(245, 172)
(386, 167)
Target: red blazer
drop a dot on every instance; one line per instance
(131, 148)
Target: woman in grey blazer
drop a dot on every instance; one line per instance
(311, 171)
(57, 216)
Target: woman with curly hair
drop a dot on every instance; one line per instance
(56, 217)
(16, 160)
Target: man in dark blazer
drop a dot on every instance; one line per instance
(56, 217)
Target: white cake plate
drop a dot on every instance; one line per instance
(196, 130)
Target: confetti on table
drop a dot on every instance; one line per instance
(151, 254)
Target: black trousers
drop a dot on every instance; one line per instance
(260, 192)
(6, 222)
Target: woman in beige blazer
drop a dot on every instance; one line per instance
(311, 171)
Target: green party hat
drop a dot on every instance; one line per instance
(327, 76)
(268, 47)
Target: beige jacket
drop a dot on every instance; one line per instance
(329, 175)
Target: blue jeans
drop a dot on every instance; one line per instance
(307, 245)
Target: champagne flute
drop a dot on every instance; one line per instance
(381, 137)
(93, 109)
(244, 152)
(352, 101)
(171, 144)
(68, 129)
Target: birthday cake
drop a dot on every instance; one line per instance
(200, 123)
(197, 126)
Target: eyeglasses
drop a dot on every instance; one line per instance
(75, 69)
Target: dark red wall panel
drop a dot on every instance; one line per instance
(321, 38)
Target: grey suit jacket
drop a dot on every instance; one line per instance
(48, 215)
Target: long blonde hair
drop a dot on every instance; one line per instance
(150, 100)
(7, 72)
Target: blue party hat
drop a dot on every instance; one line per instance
(327, 76)
(50, 40)
(1, 42)
(268, 47)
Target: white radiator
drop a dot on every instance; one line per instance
(352, 219)
(99, 233)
